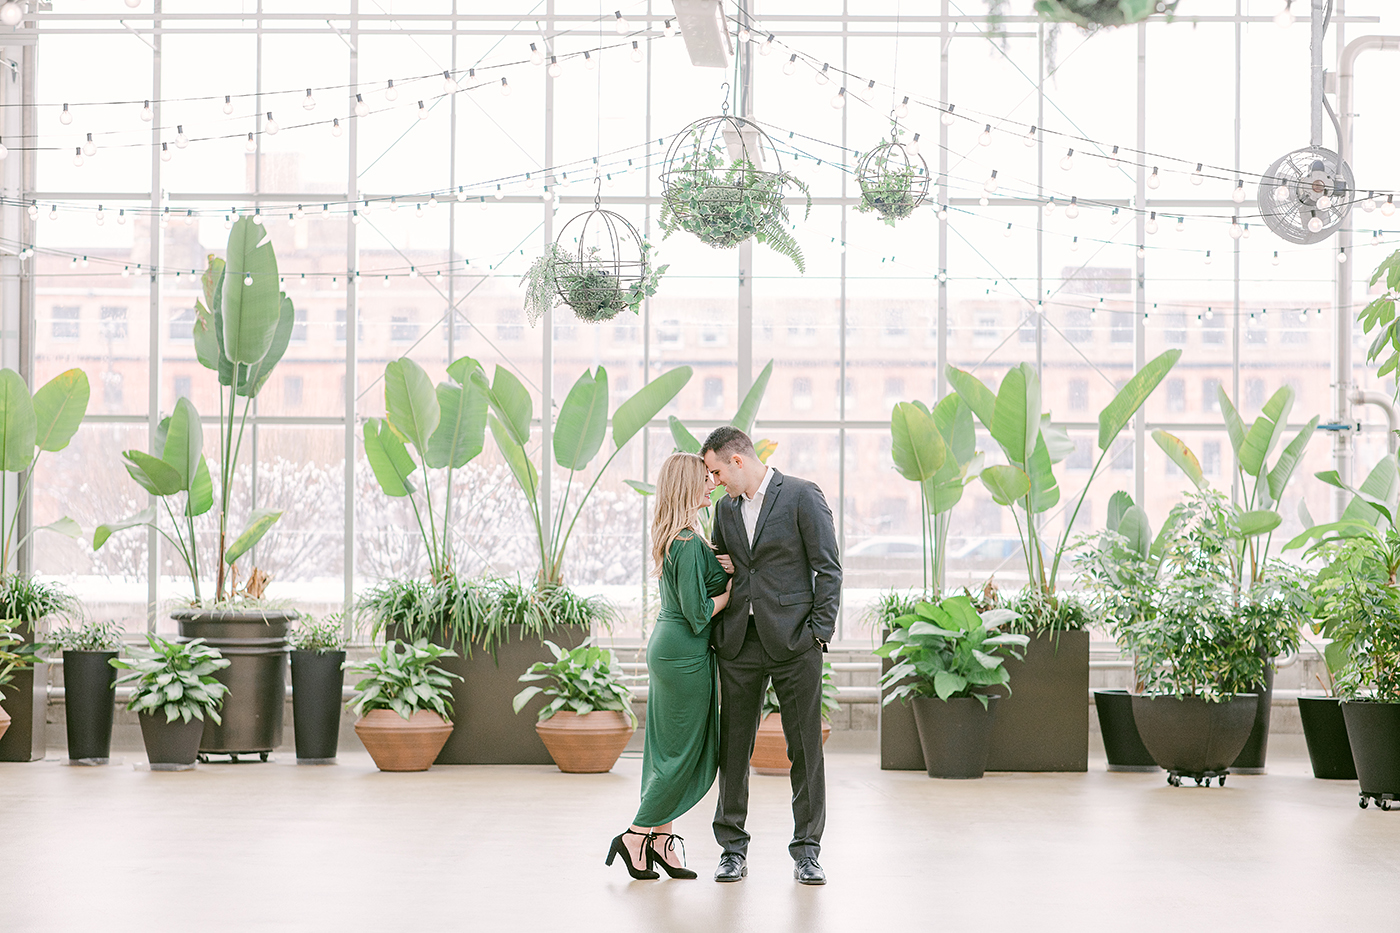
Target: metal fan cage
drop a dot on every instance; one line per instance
(606, 261)
(714, 168)
(893, 180)
(1309, 175)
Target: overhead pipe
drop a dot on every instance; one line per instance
(1385, 404)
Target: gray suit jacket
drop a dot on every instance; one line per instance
(791, 576)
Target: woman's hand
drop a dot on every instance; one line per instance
(722, 599)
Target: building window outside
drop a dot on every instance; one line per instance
(714, 393)
(1210, 395)
(65, 322)
(668, 333)
(112, 395)
(1254, 394)
(182, 326)
(402, 327)
(801, 393)
(1120, 327)
(564, 332)
(114, 325)
(339, 325)
(1256, 330)
(712, 335)
(1078, 327)
(894, 390)
(1079, 395)
(291, 391)
(506, 330)
(984, 333)
(1120, 455)
(894, 324)
(1083, 456)
(625, 333)
(801, 328)
(181, 386)
(298, 325)
(1028, 331)
(1176, 395)
(850, 395)
(1213, 329)
(1210, 458)
(1174, 328)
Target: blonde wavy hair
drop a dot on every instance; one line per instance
(679, 485)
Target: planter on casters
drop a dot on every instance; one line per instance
(88, 704)
(1325, 729)
(1374, 732)
(255, 643)
(1122, 744)
(955, 734)
(1191, 738)
(770, 746)
(170, 746)
(317, 682)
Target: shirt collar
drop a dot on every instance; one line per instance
(763, 485)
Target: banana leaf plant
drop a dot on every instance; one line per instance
(446, 425)
(1262, 481)
(579, 433)
(29, 426)
(1026, 484)
(937, 450)
(241, 330)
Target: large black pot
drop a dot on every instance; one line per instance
(170, 746)
(1374, 731)
(317, 680)
(899, 736)
(1251, 759)
(1325, 729)
(255, 644)
(1042, 723)
(25, 698)
(1122, 744)
(955, 734)
(1188, 736)
(89, 703)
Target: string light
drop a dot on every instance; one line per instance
(554, 69)
(449, 86)
(1388, 207)
(1376, 238)
(252, 144)
(310, 102)
(65, 116)
(1281, 191)
(669, 29)
(1028, 140)
(1154, 180)
(991, 184)
(1235, 229)
(913, 145)
(1007, 231)
(620, 24)
(100, 216)
(89, 147)
(821, 77)
(1142, 254)
(1151, 225)
(165, 152)
(505, 87)
(1341, 257)
(361, 108)
(588, 62)
(355, 217)
(985, 139)
(838, 100)
(1324, 202)
(947, 117)
(1113, 158)
(1072, 209)
(461, 194)
(1074, 245)
(1285, 16)
(271, 127)
(432, 200)
(744, 34)
(418, 210)
(423, 111)
(147, 114)
(1315, 224)
(78, 156)
(1196, 176)
(391, 93)
(335, 126)
(499, 194)
(1368, 204)
(790, 65)
(53, 212)
(767, 47)
(1207, 260)
(1067, 162)
(33, 210)
(181, 140)
(1238, 194)
(1050, 206)
(189, 218)
(121, 216)
(257, 217)
(636, 51)
(248, 279)
(1113, 218)
(1180, 224)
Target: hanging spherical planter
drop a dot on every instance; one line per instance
(893, 181)
(1096, 14)
(598, 266)
(723, 181)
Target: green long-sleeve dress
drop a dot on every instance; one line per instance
(681, 755)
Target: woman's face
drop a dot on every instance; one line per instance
(708, 488)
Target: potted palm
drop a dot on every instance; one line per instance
(587, 718)
(318, 677)
(947, 658)
(770, 745)
(404, 701)
(88, 699)
(174, 691)
(242, 328)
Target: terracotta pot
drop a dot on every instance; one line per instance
(4, 720)
(770, 746)
(587, 744)
(398, 744)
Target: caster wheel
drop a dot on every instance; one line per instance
(263, 755)
(1222, 780)
(1198, 782)
(1385, 805)
(233, 758)
(1364, 803)
(202, 759)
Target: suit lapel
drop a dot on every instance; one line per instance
(775, 485)
(734, 508)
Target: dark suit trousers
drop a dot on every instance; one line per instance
(798, 684)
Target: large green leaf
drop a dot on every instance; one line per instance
(1381, 483)
(583, 421)
(1234, 424)
(1182, 456)
(184, 442)
(686, 442)
(201, 498)
(255, 376)
(101, 533)
(955, 424)
(59, 406)
(977, 396)
(942, 496)
(748, 409)
(1007, 484)
(511, 402)
(514, 454)
(1118, 505)
(388, 458)
(1258, 522)
(461, 431)
(212, 281)
(1045, 489)
(634, 414)
(259, 523)
(250, 311)
(1016, 421)
(153, 474)
(1131, 397)
(1057, 440)
(1288, 460)
(411, 402)
(1136, 528)
(917, 448)
(18, 426)
(208, 338)
(462, 370)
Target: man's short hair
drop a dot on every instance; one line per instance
(726, 441)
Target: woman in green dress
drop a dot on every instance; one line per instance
(681, 755)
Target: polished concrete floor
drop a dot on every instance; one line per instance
(281, 847)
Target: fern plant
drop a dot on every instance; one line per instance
(586, 284)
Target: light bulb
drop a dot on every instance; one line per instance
(838, 100)
(393, 205)
(947, 117)
(462, 194)
(361, 108)
(165, 152)
(271, 126)
(53, 212)
(291, 220)
(1154, 179)
(670, 28)
(536, 56)
(100, 216)
(1113, 218)
(1067, 162)
(608, 180)
(529, 180)
(1142, 254)
(1235, 229)
(991, 184)
(767, 47)
(482, 203)
(228, 104)
(1275, 259)
(33, 210)
(355, 217)
(1238, 194)
(1113, 158)
(1151, 225)
(744, 34)
(65, 116)
(554, 69)
(147, 115)
(310, 102)
(902, 109)
(790, 65)
(636, 51)
(89, 147)
(1388, 207)
(1072, 209)
(1341, 256)
(391, 93)
(248, 279)
(821, 76)
(1050, 206)
(126, 271)
(1207, 259)
(432, 200)
(133, 4)
(619, 23)
(499, 194)
(300, 212)
(257, 217)
(1281, 191)
(1368, 204)
(1028, 139)
(1196, 177)
(913, 145)
(78, 156)
(1007, 231)
(121, 216)
(1324, 202)
(423, 111)
(252, 144)
(181, 140)
(1285, 16)
(1315, 224)
(982, 201)
(448, 85)
(1074, 245)
(942, 212)
(413, 272)
(1180, 224)
(228, 222)
(189, 218)
(985, 139)
(505, 87)
(367, 208)
(335, 126)
(588, 62)
(417, 210)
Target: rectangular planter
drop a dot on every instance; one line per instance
(1043, 725)
(25, 698)
(899, 736)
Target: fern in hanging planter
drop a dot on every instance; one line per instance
(893, 180)
(610, 273)
(716, 188)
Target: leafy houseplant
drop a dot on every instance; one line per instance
(318, 677)
(10, 661)
(174, 678)
(593, 288)
(588, 718)
(403, 700)
(1096, 14)
(892, 183)
(88, 700)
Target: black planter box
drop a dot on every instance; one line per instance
(1043, 725)
(899, 734)
(89, 703)
(317, 681)
(1122, 744)
(255, 644)
(1325, 729)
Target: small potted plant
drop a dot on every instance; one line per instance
(88, 699)
(10, 661)
(404, 702)
(174, 692)
(770, 745)
(318, 677)
(587, 719)
(948, 657)
(893, 180)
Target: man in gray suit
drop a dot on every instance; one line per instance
(775, 535)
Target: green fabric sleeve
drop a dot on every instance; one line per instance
(691, 585)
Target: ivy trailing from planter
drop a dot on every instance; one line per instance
(586, 285)
(1096, 14)
(893, 180)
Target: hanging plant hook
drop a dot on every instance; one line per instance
(724, 106)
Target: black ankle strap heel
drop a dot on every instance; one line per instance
(656, 857)
(620, 848)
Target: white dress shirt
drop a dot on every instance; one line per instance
(752, 505)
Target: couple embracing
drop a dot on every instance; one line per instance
(759, 602)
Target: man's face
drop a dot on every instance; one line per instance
(722, 472)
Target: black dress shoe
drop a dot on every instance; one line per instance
(807, 871)
(732, 867)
